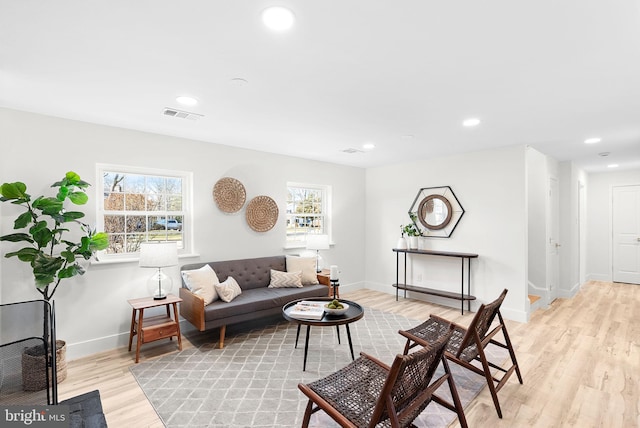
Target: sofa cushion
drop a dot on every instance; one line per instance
(202, 282)
(285, 279)
(228, 289)
(305, 264)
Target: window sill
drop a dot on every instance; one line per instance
(113, 260)
(293, 246)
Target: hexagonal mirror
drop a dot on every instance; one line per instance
(436, 211)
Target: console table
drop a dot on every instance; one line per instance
(440, 293)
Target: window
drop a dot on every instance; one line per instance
(308, 212)
(140, 205)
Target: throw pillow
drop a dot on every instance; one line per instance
(285, 279)
(228, 289)
(307, 265)
(202, 282)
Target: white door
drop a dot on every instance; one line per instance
(626, 234)
(553, 246)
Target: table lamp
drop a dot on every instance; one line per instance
(159, 255)
(317, 242)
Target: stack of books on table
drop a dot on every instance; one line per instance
(308, 310)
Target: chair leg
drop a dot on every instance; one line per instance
(454, 394)
(406, 347)
(489, 378)
(307, 414)
(510, 348)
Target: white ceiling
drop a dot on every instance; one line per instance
(547, 73)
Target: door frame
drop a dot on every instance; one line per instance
(611, 224)
(552, 243)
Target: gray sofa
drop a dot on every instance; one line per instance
(256, 301)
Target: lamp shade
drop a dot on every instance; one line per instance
(317, 242)
(158, 254)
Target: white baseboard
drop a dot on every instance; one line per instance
(121, 340)
(599, 277)
(568, 294)
(109, 343)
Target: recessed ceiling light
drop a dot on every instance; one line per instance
(408, 137)
(278, 18)
(593, 140)
(187, 101)
(368, 146)
(613, 165)
(471, 122)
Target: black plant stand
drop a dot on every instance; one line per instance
(25, 325)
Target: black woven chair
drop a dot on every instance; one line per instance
(367, 392)
(468, 344)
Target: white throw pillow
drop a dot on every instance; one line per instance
(228, 289)
(307, 265)
(285, 279)
(202, 283)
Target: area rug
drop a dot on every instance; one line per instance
(253, 381)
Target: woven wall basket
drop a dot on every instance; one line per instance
(229, 194)
(262, 213)
(33, 366)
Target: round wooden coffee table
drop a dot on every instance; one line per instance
(354, 313)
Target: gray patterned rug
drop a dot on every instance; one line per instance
(253, 381)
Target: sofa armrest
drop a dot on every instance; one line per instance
(192, 308)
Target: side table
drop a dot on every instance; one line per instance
(156, 327)
(324, 277)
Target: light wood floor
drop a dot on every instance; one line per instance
(580, 360)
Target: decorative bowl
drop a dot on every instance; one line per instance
(336, 311)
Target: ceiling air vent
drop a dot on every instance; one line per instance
(351, 150)
(181, 114)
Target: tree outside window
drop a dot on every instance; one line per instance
(307, 212)
(139, 207)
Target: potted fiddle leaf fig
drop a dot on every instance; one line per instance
(54, 239)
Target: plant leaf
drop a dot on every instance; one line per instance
(71, 215)
(26, 254)
(17, 237)
(15, 190)
(43, 279)
(78, 198)
(44, 264)
(68, 255)
(41, 234)
(62, 193)
(99, 241)
(48, 206)
(72, 177)
(22, 221)
(69, 271)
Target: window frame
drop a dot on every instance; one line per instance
(186, 212)
(326, 212)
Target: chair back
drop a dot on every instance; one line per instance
(480, 325)
(406, 392)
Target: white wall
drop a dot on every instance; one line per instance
(537, 202)
(490, 185)
(92, 310)
(599, 191)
